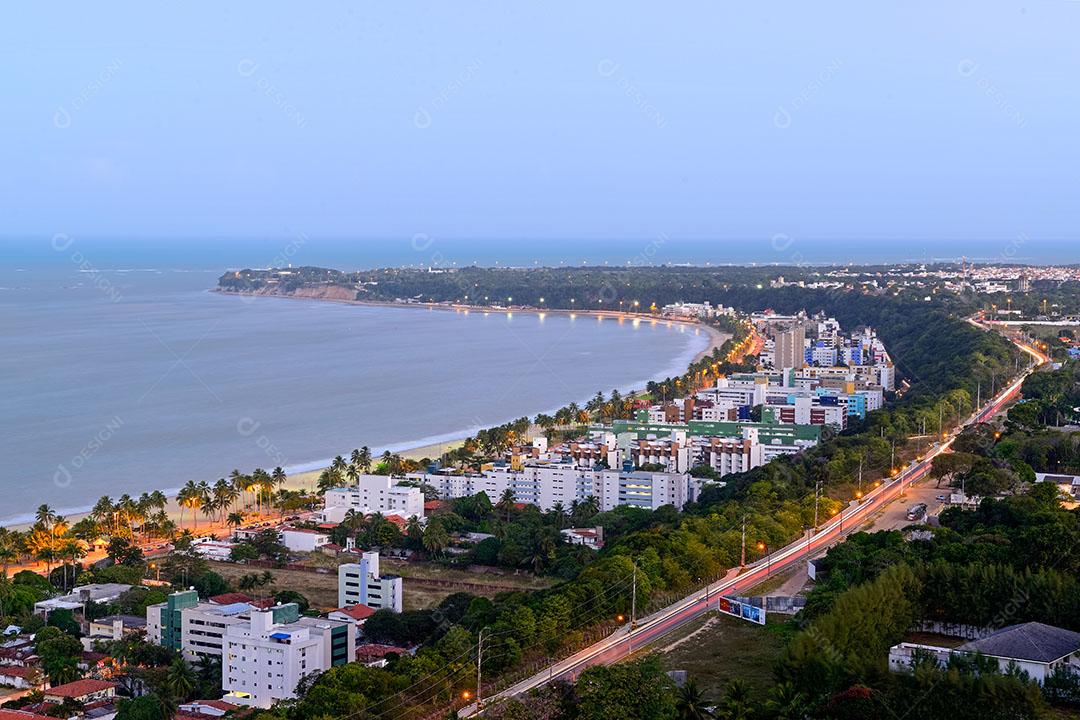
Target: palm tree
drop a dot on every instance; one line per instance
(435, 538)
(41, 545)
(365, 459)
(45, 516)
(239, 482)
(786, 703)
(558, 514)
(506, 502)
(9, 550)
(192, 496)
(736, 704)
(235, 519)
(74, 549)
(338, 464)
(690, 702)
(541, 549)
(353, 473)
(210, 507)
(103, 510)
(180, 680)
(223, 495)
(279, 477)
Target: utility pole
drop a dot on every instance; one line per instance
(817, 497)
(479, 658)
(742, 552)
(978, 395)
(633, 611)
(860, 473)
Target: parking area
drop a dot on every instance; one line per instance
(894, 515)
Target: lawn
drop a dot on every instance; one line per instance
(425, 585)
(716, 649)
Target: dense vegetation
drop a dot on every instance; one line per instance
(675, 552)
(1009, 561)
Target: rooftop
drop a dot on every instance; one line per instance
(1033, 641)
(6, 714)
(79, 688)
(356, 612)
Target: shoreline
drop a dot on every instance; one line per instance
(717, 337)
(305, 477)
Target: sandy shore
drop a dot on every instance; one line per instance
(308, 480)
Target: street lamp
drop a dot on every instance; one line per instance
(762, 545)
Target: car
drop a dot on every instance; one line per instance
(942, 498)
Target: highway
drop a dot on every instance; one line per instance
(649, 629)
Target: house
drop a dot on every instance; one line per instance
(96, 592)
(589, 537)
(303, 539)
(22, 678)
(1036, 648)
(6, 714)
(375, 655)
(212, 549)
(112, 627)
(1067, 484)
(355, 615)
(83, 691)
(207, 708)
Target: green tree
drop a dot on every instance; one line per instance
(180, 680)
(635, 690)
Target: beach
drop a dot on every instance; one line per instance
(305, 476)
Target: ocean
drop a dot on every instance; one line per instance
(121, 372)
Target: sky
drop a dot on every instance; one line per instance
(521, 121)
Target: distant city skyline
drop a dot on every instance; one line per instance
(601, 120)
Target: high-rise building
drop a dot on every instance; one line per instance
(790, 348)
(361, 583)
(264, 660)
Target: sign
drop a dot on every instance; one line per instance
(739, 609)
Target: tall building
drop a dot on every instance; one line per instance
(264, 659)
(361, 583)
(372, 494)
(197, 629)
(790, 348)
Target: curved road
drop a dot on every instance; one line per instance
(621, 643)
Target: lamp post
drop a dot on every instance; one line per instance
(762, 545)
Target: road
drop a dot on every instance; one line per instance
(649, 629)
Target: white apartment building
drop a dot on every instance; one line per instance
(376, 493)
(264, 660)
(361, 583)
(195, 629)
(546, 482)
(756, 447)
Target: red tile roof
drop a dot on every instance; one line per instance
(356, 612)
(398, 520)
(433, 504)
(15, 671)
(193, 708)
(377, 652)
(79, 688)
(6, 714)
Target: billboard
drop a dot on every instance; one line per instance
(740, 609)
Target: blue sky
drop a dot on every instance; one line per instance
(849, 120)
